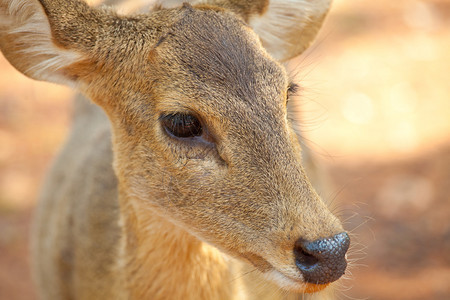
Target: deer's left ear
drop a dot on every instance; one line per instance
(40, 38)
(286, 27)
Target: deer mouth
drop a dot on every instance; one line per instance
(293, 285)
(270, 273)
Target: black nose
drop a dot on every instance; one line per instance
(322, 261)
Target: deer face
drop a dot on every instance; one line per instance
(201, 135)
(204, 139)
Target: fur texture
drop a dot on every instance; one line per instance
(170, 218)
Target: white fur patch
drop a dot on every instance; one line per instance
(285, 18)
(282, 280)
(26, 19)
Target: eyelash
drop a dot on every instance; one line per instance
(181, 125)
(293, 88)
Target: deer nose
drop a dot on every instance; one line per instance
(322, 261)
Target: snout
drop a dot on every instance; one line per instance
(322, 261)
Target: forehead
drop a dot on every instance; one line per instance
(214, 57)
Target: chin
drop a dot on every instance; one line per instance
(292, 285)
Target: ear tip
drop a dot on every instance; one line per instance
(26, 42)
(289, 26)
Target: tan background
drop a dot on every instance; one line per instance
(375, 105)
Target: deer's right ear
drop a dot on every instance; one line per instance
(40, 38)
(286, 27)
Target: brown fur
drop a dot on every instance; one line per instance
(174, 220)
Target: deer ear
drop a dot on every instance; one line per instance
(39, 45)
(286, 27)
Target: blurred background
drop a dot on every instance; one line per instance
(375, 108)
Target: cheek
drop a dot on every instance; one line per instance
(188, 160)
(180, 177)
(197, 178)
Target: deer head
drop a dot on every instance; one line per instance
(197, 99)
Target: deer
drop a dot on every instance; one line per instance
(182, 176)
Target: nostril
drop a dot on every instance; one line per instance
(303, 259)
(322, 261)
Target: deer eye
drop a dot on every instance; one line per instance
(182, 125)
(293, 88)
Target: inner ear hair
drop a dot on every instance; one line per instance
(40, 38)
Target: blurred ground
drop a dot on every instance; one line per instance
(376, 108)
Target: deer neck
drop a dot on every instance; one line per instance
(163, 261)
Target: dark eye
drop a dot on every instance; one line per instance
(293, 88)
(182, 125)
(291, 91)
